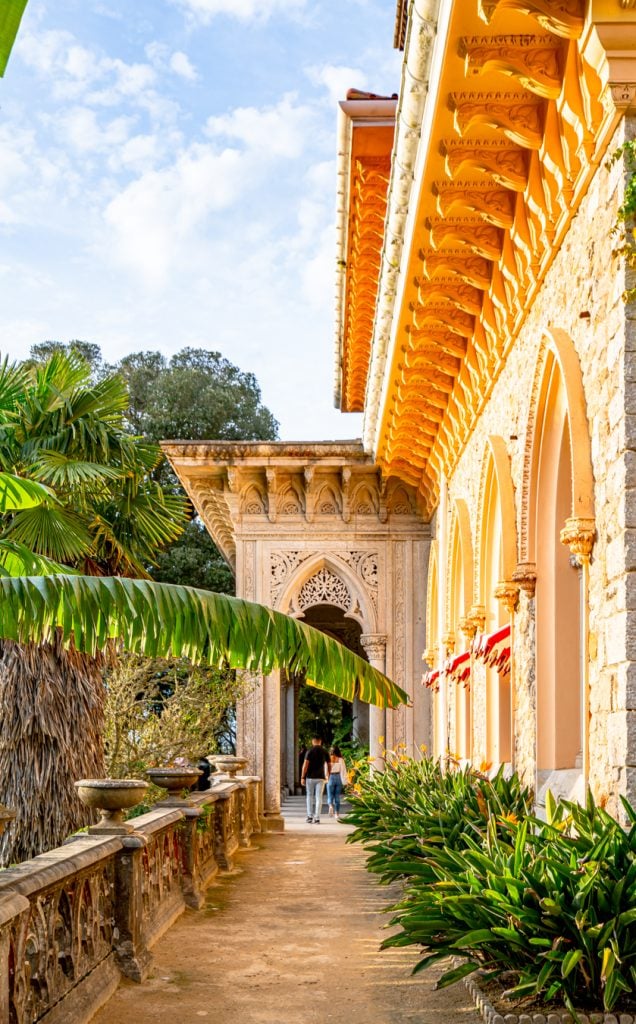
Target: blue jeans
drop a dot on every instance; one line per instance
(334, 791)
(315, 789)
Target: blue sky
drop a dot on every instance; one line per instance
(167, 178)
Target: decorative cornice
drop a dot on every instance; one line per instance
(533, 60)
(562, 17)
(519, 118)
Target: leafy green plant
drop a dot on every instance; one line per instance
(552, 904)
(403, 814)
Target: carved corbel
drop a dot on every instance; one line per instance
(508, 593)
(526, 576)
(455, 320)
(465, 296)
(504, 162)
(519, 117)
(579, 534)
(310, 492)
(482, 239)
(564, 18)
(446, 341)
(531, 60)
(430, 656)
(492, 204)
(474, 270)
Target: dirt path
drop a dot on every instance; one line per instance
(293, 937)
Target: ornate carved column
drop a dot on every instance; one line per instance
(525, 575)
(375, 648)
(578, 534)
(468, 627)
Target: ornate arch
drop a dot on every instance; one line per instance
(459, 535)
(496, 461)
(324, 580)
(557, 351)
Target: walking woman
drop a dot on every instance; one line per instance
(337, 781)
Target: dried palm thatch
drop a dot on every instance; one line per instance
(51, 709)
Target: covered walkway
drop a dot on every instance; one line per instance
(292, 936)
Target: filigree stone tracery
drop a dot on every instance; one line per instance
(324, 587)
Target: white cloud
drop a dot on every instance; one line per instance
(279, 131)
(155, 220)
(203, 11)
(86, 135)
(337, 79)
(180, 64)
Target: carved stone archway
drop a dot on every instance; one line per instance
(316, 522)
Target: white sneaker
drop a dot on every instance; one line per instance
(330, 811)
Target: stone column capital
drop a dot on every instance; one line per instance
(477, 615)
(374, 645)
(578, 534)
(468, 626)
(615, 23)
(526, 576)
(507, 592)
(430, 656)
(448, 642)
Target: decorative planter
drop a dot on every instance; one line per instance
(5, 817)
(175, 780)
(111, 797)
(228, 764)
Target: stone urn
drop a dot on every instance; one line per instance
(175, 780)
(228, 764)
(111, 797)
(5, 817)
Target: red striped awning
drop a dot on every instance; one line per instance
(431, 679)
(494, 648)
(457, 669)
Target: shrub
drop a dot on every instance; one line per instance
(552, 902)
(405, 813)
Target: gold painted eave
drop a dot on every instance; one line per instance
(529, 95)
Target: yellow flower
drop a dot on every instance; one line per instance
(401, 746)
(381, 740)
(485, 766)
(511, 817)
(423, 747)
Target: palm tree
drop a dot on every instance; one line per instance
(57, 631)
(82, 499)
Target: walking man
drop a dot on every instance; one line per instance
(314, 776)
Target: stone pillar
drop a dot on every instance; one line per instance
(291, 757)
(272, 818)
(375, 648)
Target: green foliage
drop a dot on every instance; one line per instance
(194, 395)
(624, 229)
(11, 13)
(412, 809)
(160, 620)
(548, 905)
(99, 509)
(194, 560)
(157, 711)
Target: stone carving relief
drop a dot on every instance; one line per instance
(254, 501)
(324, 587)
(283, 565)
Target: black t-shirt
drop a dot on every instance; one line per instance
(316, 758)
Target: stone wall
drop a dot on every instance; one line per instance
(581, 295)
(75, 920)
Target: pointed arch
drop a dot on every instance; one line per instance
(495, 475)
(359, 606)
(557, 355)
(459, 568)
(432, 598)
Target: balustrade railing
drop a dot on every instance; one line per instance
(73, 920)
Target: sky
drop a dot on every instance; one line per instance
(168, 179)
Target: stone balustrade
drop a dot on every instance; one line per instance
(74, 920)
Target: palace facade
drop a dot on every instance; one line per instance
(479, 542)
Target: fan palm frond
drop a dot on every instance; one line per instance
(161, 620)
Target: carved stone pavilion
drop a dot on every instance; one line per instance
(487, 518)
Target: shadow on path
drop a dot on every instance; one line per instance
(292, 936)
